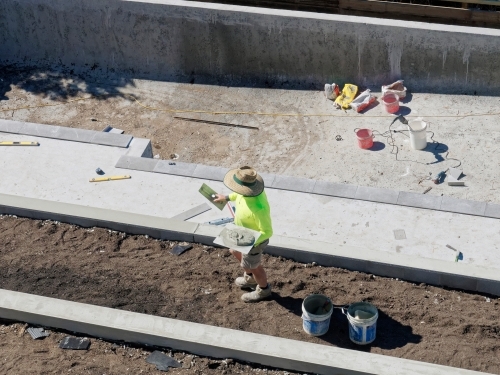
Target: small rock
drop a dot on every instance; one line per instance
(186, 362)
(157, 156)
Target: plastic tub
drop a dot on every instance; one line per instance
(365, 138)
(418, 134)
(316, 313)
(391, 102)
(362, 317)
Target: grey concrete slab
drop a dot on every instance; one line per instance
(8, 126)
(208, 172)
(492, 210)
(217, 342)
(75, 135)
(137, 163)
(40, 130)
(178, 168)
(372, 194)
(409, 199)
(140, 147)
(195, 211)
(268, 178)
(488, 286)
(463, 206)
(419, 275)
(454, 280)
(304, 185)
(110, 139)
(206, 234)
(385, 269)
(335, 190)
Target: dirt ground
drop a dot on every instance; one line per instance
(20, 354)
(318, 147)
(137, 273)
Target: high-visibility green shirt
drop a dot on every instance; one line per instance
(253, 213)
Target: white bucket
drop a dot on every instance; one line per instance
(316, 312)
(362, 318)
(418, 134)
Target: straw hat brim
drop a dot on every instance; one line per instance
(247, 191)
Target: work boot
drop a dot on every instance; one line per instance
(247, 281)
(257, 295)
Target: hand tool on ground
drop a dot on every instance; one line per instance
(9, 143)
(111, 178)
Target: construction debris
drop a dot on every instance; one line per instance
(454, 177)
(37, 333)
(332, 91)
(180, 248)
(162, 361)
(362, 101)
(75, 343)
(396, 88)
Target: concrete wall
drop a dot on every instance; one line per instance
(177, 40)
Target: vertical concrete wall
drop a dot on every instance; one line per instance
(177, 40)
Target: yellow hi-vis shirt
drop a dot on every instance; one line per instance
(253, 213)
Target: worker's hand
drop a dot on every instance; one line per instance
(220, 198)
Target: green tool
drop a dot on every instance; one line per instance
(210, 194)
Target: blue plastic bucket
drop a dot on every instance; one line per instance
(316, 312)
(362, 318)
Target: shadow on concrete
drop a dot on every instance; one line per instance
(407, 98)
(437, 149)
(57, 84)
(377, 146)
(391, 334)
(403, 110)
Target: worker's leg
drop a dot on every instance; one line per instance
(259, 274)
(255, 275)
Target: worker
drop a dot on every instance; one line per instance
(252, 212)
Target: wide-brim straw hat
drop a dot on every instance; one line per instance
(245, 181)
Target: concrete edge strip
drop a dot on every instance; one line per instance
(318, 187)
(120, 325)
(406, 267)
(66, 134)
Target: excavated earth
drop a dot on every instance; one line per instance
(140, 274)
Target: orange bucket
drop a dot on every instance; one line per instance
(365, 138)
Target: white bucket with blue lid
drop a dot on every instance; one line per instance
(362, 317)
(316, 313)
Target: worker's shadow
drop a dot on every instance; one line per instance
(391, 334)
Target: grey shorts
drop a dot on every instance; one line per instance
(253, 258)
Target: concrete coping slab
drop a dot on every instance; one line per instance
(305, 185)
(431, 271)
(200, 339)
(65, 133)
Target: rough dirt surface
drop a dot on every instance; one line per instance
(137, 273)
(318, 147)
(20, 354)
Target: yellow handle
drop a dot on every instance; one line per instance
(111, 178)
(19, 143)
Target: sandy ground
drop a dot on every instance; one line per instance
(20, 354)
(138, 273)
(292, 145)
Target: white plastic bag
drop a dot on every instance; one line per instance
(332, 91)
(362, 101)
(395, 88)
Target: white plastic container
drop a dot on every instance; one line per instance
(362, 330)
(418, 134)
(316, 313)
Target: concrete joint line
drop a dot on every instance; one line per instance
(120, 325)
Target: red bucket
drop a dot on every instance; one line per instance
(365, 138)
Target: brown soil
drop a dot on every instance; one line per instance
(22, 355)
(137, 273)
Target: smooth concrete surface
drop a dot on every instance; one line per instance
(56, 172)
(178, 40)
(206, 340)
